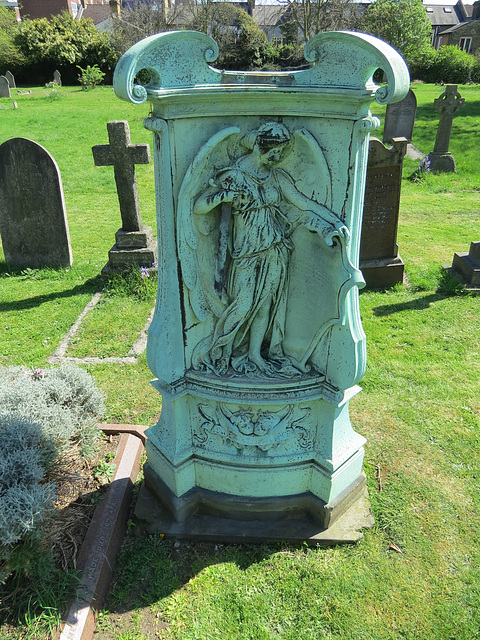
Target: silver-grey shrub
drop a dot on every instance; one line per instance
(42, 414)
(64, 400)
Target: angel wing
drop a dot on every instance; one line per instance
(213, 155)
(315, 183)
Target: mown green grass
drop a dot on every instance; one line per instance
(419, 411)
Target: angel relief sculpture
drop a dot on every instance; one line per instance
(239, 205)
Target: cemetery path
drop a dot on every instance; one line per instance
(414, 153)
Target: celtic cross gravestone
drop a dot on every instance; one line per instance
(447, 106)
(256, 343)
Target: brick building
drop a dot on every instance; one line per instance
(466, 34)
(48, 8)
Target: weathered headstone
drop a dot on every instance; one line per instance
(256, 342)
(400, 118)
(33, 221)
(447, 106)
(4, 88)
(466, 267)
(134, 241)
(11, 79)
(380, 263)
(57, 77)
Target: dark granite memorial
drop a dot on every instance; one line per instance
(33, 221)
(466, 267)
(400, 118)
(380, 263)
(4, 87)
(11, 80)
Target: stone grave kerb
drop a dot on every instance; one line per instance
(257, 366)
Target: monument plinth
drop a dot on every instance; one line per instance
(256, 343)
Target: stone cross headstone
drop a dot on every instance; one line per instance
(447, 106)
(466, 267)
(11, 79)
(380, 263)
(57, 77)
(134, 241)
(256, 342)
(400, 118)
(33, 220)
(4, 87)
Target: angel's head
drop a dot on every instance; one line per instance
(272, 143)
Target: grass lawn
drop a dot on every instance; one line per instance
(416, 574)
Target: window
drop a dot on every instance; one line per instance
(465, 44)
(447, 9)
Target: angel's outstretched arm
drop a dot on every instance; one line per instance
(316, 217)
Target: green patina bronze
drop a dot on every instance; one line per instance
(257, 344)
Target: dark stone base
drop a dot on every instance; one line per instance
(382, 273)
(466, 268)
(443, 162)
(207, 515)
(134, 239)
(131, 248)
(475, 289)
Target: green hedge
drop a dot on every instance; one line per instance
(449, 65)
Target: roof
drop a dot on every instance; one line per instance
(445, 15)
(457, 27)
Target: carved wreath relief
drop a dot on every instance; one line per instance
(249, 427)
(241, 200)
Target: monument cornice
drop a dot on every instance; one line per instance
(177, 63)
(212, 101)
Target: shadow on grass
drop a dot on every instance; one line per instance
(152, 568)
(90, 286)
(418, 304)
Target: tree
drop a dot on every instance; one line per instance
(242, 44)
(139, 19)
(63, 43)
(402, 23)
(9, 53)
(315, 16)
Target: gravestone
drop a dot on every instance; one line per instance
(33, 220)
(57, 77)
(380, 263)
(447, 105)
(134, 241)
(256, 343)
(4, 88)
(11, 79)
(400, 118)
(466, 267)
